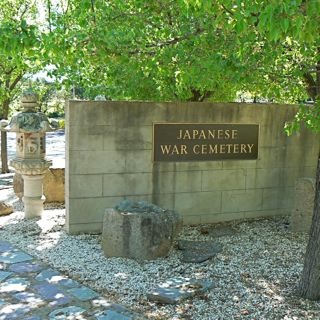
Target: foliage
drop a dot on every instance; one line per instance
(61, 123)
(307, 115)
(24, 51)
(188, 49)
(167, 50)
(153, 51)
(20, 44)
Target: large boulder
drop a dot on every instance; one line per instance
(53, 185)
(139, 230)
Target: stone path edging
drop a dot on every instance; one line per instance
(31, 290)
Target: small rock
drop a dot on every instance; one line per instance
(5, 208)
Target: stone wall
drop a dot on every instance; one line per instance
(109, 157)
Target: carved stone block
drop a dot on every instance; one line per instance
(141, 232)
(301, 216)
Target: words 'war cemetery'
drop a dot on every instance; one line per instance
(210, 162)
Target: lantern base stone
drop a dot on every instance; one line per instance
(33, 196)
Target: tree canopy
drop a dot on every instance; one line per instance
(168, 50)
(188, 49)
(20, 44)
(20, 54)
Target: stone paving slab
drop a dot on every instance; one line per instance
(53, 293)
(66, 312)
(30, 290)
(5, 246)
(29, 297)
(14, 285)
(218, 231)
(116, 312)
(83, 293)
(55, 277)
(4, 275)
(14, 257)
(24, 267)
(175, 290)
(112, 315)
(198, 251)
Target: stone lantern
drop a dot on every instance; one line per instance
(30, 127)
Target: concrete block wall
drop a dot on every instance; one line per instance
(109, 158)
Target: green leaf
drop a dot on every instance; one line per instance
(285, 25)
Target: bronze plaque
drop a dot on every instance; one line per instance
(204, 141)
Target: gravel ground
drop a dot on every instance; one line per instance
(255, 276)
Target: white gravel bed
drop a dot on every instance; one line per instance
(255, 276)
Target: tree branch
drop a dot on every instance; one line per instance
(7, 84)
(15, 81)
(49, 14)
(7, 72)
(93, 12)
(67, 7)
(310, 85)
(226, 9)
(168, 42)
(24, 11)
(198, 96)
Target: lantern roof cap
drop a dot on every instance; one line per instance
(28, 120)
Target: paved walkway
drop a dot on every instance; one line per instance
(31, 290)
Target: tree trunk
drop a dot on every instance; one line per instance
(309, 286)
(4, 153)
(4, 149)
(9, 87)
